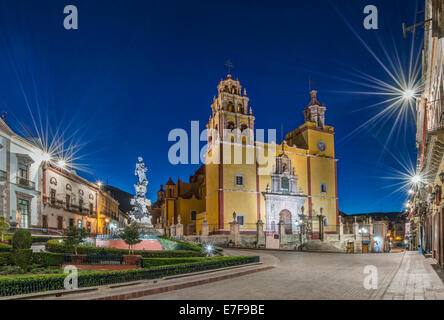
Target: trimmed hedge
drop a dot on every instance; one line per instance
(5, 247)
(5, 259)
(47, 258)
(155, 262)
(35, 239)
(28, 284)
(57, 247)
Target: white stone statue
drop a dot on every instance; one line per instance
(140, 171)
(140, 203)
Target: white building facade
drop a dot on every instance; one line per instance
(67, 200)
(20, 162)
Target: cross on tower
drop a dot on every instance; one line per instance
(229, 65)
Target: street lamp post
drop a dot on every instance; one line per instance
(302, 218)
(321, 224)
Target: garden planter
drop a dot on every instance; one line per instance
(132, 259)
(78, 258)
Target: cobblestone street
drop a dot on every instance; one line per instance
(309, 275)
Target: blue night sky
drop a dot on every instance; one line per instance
(134, 70)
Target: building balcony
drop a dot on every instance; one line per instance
(22, 182)
(3, 175)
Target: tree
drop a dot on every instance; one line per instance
(131, 235)
(4, 226)
(74, 236)
(21, 252)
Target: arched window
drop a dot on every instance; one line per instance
(243, 127)
(240, 108)
(230, 107)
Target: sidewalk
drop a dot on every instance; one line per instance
(415, 280)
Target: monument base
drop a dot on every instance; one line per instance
(148, 229)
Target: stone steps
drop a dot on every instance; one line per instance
(321, 246)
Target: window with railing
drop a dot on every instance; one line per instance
(68, 201)
(52, 197)
(25, 183)
(3, 175)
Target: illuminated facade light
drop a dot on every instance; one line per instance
(416, 179)
(408, 94)
(61, 163)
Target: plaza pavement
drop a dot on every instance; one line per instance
(310, 275)
(286, 275)
(415, 280)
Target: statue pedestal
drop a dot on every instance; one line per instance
(145, 228)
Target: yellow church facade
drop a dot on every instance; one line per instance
(250, 179)
(264, 181)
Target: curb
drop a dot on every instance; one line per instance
(63, 292)
(379, 294)
(138, 294)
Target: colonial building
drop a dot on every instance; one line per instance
(40, 195)
(379, 231)
(427, 205)
(181, 201)
(20, 162)
(294, 182)
(109, 217)
(68, 200)
(124, 200)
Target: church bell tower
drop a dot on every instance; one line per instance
(232, 118)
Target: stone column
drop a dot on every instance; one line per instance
(205, 229)
(281, 228)
(356, 228)
(235, 231)
(341, 228)
(179, 230)
(179, 227)
(260, 236)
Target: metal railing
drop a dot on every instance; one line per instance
(101, 258)
(25, 183)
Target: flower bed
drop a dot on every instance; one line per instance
(10, 286)
(58, 247)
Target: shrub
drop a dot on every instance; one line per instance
(5, 259)
(21, 239)
(47, 258)
(56, 246)
(22, 258)
(74, 236)
(154, 262)
(35, 283)
(4, 227)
